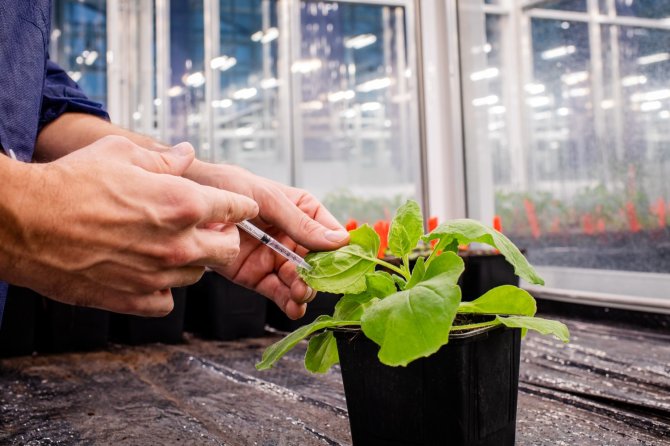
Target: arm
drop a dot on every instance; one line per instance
(291, 215)
(115, 234)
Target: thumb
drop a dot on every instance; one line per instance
(172, 161)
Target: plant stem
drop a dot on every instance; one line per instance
(390, 266)
(405, 264)
(492, 323)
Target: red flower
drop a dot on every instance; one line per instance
(587, 224)
(631, 213)
(660, 212)
(351, 224)
(432, 223)
(532, 218)
(497, 223)
(382, 229)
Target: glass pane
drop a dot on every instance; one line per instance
(247, 86)
(78, 43)
(565, 5)
(580, 166)
(652, 9)
(357, 122)
(187, 91)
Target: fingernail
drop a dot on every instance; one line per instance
(310, 294)
(336, 236)
(183, 149)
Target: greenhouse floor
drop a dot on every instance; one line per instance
(609, 386)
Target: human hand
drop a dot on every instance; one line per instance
(292, 216)
(114, 226)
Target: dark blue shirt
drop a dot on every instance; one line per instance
(33, 90)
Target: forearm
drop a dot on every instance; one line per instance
(72, 131)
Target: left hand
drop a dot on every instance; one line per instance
(292, 216)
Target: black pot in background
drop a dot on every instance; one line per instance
(64, 328)
(463, 395)
(220, 309)
(324, 303)
(484, 271)
(137, 330)
(17, 334)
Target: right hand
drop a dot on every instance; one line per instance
(114, 226)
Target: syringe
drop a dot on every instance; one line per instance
(273, 244)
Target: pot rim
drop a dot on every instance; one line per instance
(452, 335)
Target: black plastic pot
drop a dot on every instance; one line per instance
(324, 303)
(17, 335)
(484, 271)
(463, 395)
(220, 309)
(137, 330)
(63, 328)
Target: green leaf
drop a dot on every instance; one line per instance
(321, 353)
(412, 323)
(273, 353)
(544, 326)
(406, 229)
(343, 271)
(351, 306)
(447, 264)
(399, 281)
(380, 284)
(417, 272)
(468, 231)
(505, 299)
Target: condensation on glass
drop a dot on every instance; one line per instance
(567, 111)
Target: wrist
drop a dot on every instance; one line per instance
(16, 180)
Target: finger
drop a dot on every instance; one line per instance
(172, 161)
(227, 207)
(156, 304)
(303, 228)
(150, 281)
(302, 293)
(272, 287)
(219, 247)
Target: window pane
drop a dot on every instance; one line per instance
(565, 5)
(652, 9)
(187, 91)
(78, 43)
(247, 86)
(356, 117)
(579, 166)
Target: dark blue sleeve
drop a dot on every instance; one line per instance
(62, 94)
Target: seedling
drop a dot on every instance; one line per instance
(410, 312)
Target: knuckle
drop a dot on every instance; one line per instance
(119, 142)
(147, 283)
(306, 225)
(187, 208)
(179, 254)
